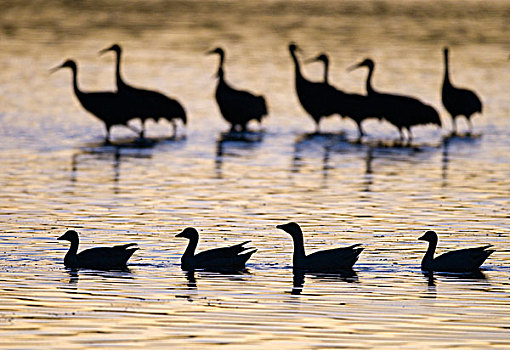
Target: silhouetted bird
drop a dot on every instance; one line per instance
(106, 106)
(458, 101)
(226, 258)
(323, 260)
(104, 258)
(318, 99)
(237, 107)
(146, 104)
(355, 106)
(402, 111)
(462, 260)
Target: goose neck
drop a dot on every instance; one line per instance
(299, 247)
(190, 249)
(429, 255)
(72, 252)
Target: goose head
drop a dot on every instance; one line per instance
(189, 233)
(367, 62)
(70, 235)
(292, 229)
(429, 236)
(67, 64)
(115, 48)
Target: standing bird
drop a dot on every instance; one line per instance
(318, 99)
(238, 107)
(146, 104)
(458, 101)
(462, 260)
(103, 258)
(226, 258)
(106, 106)
(402, 111)
(355, 106)
(323, 260)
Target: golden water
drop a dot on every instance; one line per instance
(56, 174)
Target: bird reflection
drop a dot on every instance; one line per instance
(74, 275)
(298, 278)
(113, 154)
(230, 141)
(473, 275)
(231, 275)
(448, 142)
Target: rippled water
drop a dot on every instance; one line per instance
(57, 174)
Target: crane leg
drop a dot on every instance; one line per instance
(317, 128)
(361, 133)
(107, 137)
(174, 128)
(410, 136)
(454, 126)
(401, 135)
(470, 126)
(142, 132)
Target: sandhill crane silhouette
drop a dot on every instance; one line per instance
(146, 104)
(108, 107)
(402, 111)
(355, 106)
(237, 107)
(318, 99)
(458, 101)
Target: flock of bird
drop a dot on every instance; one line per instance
(234, 258)
(238, 107)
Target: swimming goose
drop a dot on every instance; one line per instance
(323, 260)
(462, 260)
(225, 258)
(103, 258)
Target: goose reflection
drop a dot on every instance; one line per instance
(74, 275)
(230, 275)
(475, 276)
(298, 278)
(231, 144)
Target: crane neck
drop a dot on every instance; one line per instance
(326, 72)
(446, 80)
(118, 76)
(76, 88)
(296, 65)
(370, 89)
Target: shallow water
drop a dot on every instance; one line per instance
(58, 174)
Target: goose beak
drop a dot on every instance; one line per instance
(61, 237)
(279, 227)
(180, 234)
(422, 238)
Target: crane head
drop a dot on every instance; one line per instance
(115, 48)
(67, 64)
(322, 57)
(217, 50)
(367, 62)
(293, 47)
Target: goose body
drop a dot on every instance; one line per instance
(336, 259)
(238, 107)
(318, 99)
(462, 260)
(458, 101)
(146, 104)
(404, 112)
(226, 258)
(354, 106)
(102, 258)
(106, 106)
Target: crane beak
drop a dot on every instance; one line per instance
(311, 60)
(54, 69)
(210, 52)
(103, 51)
(353, 67)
